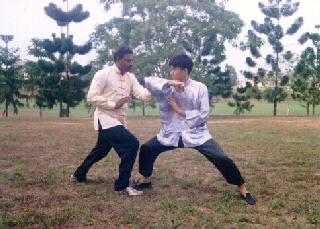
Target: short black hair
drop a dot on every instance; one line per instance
(181, 61)
(121, 52)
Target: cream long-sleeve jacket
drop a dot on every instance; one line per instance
(107, 87)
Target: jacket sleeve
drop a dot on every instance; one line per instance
(139, 91)
(158, 88)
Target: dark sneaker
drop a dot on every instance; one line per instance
(130, 191)
(248, 198)
(75, 179)
(143, 186)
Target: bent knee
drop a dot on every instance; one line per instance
(144, 148)
(135, 142)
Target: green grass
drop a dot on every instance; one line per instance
(264, 108)
(221, 108)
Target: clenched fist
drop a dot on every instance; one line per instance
(173, 103)
(178, 86)
(122, 101)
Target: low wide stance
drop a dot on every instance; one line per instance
(184, 112)
(110, 92)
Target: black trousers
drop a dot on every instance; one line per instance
(124, 143)
(210, 149)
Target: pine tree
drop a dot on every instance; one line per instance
(241, 101)
(10, 77)
(62, 81)
(272, 29)
(306, 84)
(33, 84)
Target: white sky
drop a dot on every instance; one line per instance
(248, 10)
(26, 19)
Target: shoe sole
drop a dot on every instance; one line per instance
(125, 194)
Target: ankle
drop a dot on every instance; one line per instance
(242, 189)
(145, 180)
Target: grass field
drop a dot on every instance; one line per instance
(279, 158)
(220, 108)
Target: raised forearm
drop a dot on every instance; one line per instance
(180, 112)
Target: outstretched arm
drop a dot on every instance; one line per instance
(139, 91)
(161, 88)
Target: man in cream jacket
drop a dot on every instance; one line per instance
(110, 92)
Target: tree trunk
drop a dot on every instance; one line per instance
(313, 108)
(143, 109)
(308, 109)
(67, 111)
(6, 108)
(60, 112)
(67, 70)
(277, 71)
(68, 97)
(40, 112)
(288, 107)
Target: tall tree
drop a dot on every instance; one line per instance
(272, 29)
(63, 81)
(241, 101)
(10, 78)
(233, 74)
(306, 85)
(34, 85)
(159, 29)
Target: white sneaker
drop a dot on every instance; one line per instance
(129, 191)
(73, 179)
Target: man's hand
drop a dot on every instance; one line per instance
(122, 101)
(175, 107)
(178, 86)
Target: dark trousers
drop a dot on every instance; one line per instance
(210, 149)
(124, 143)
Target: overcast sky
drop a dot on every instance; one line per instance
(248, 10)
(25, 19)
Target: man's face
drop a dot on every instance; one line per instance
(178, 73)
(125, 64)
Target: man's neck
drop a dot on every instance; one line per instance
(121, 72)
(185, 79)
